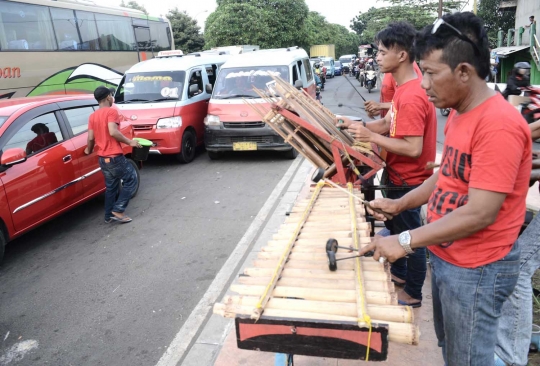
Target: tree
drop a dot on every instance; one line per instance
(417, 12)
(267, 23)
(186, 32)
(495, 19)
(133, 5)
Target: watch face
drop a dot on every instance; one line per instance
(405, 237)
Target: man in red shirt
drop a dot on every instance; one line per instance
(477, 198)
(103, 133)
(43, 139)
(412, 127)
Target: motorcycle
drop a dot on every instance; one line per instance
(370, 80)
(531, 110)
(445, 111)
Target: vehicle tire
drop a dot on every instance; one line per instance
(369, 89)
(214, 155)
(291, 154)
(2, 245)
(445, 112)
(189, 144)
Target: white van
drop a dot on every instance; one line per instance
(329, 64)
(231, 124)
(166, 100)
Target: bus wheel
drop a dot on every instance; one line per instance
(189, 143)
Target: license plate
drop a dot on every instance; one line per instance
(244, 146)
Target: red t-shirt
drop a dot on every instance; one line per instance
(412, 115)
(106, 145)
(388, 87)
(487, 148)
(40, 142)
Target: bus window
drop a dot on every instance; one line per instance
(25, 27)
(161, 36)
(65, 26)
(116, 33)
(88, 30)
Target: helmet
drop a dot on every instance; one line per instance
(316, 65)
(523, 68)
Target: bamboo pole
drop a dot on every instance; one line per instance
(316, 273)
(385, 286)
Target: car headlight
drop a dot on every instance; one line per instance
(170, 122)
(211, 120)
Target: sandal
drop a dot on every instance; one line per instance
(122, 220)
(411, 304)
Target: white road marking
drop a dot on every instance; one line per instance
(185, 336)
(18, 351)
(7, 335)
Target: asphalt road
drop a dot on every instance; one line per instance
(77, 291)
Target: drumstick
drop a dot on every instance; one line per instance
(366, 203)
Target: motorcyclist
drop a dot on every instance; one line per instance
(319, 73)
(520, 78)
(369, 66)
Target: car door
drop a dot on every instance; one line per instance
(45, 183)
(196, 107)
(76, 118)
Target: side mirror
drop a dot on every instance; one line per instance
(13, 156)
(193, 89)
(298, 84)
(208, 88)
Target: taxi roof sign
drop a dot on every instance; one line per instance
(170, 53)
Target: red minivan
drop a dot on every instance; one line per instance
(43, 169)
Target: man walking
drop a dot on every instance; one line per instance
(103, 133)
(412, 127)
(475, 201)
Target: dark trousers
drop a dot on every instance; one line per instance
(413, 268)
(118, 170)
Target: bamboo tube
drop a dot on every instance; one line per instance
(327, 226)
(293, 217)
(392, 313)
(372, 297)
(309, 245)
(317, 273)
(320, 257)
(397, 332)
(371, 266)
(386, 286)
(328, 234)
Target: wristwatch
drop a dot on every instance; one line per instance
(405, 241)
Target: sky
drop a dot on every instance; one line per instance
(340, 12)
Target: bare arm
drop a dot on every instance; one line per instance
(117, 135)
(410, 146)
(90, 143)
(535, 130)
(478, 213)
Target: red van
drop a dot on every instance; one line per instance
(42, 176)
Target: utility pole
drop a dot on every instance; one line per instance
(440, 8)
(475, 7)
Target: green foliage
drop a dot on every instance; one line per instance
(495, 19)
(267, 23)
(134, 5)
(417, 12)
(186, 32)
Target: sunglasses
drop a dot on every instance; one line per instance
(437, 24)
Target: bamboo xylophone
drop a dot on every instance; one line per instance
(290, 302)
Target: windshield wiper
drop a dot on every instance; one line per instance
(237, 96)
(131, 101)
(159, 100)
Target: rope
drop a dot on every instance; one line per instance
(286, 252)
(366, 318)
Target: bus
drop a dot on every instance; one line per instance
(72, 46)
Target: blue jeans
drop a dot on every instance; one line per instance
(514, 332)
(116, 170)
(413, 268)
(467, 304)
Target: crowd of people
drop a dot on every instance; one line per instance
(476, 202)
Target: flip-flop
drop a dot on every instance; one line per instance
(108, 221)
(121, 220)
(412, 305)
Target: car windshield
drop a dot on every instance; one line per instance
(337, 64)
(345, 60)
(327, 63)
(151, 86)
(239, 82)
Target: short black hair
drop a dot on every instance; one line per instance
(398, 34)
(456, 50)
(532, 16)
(40, 127)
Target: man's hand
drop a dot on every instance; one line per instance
(343, 122)
(134, 143)
(360, 133)
(392, 207)
(372, 107)
(386, 247)
(87, 151)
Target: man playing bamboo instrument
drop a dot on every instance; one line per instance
(412, 127)
(477, 198)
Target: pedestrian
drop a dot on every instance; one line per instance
(411, 144)
(476, 200)
(515, 324)
(103, 133)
